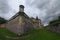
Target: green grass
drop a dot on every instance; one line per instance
(55, 22)
(43, 34)
(40, 34)
(5, 32)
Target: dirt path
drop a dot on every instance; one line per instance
(26, 36)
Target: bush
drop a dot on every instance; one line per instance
(2, 20)
(55, 22)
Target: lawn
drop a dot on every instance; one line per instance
(43, 34)
(4, 33)
(40, 34)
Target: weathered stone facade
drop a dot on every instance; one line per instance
(3, 25)
(20, 24)
(55, 28)
(37, 23)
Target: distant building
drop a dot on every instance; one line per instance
(37, 23)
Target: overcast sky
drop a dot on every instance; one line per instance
(46, 10)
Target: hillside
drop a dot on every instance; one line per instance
(54, 25)
(4, 33)
(41, 34)
(55, 22)
(2, 20)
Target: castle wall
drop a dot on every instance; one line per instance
(13, 25)
(3, 25)
(37, 24)
(19, 25)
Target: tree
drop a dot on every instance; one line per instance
(2, 20)
(55, 22)
(59, 17)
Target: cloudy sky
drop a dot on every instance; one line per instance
(46, 10)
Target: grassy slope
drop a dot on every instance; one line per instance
(40, 34)
(4, 33)
(43, 35)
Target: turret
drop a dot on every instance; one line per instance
(21, 8)
(37, 18)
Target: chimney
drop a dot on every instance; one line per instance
(21, 8)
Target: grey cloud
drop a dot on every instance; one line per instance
(48, 10)
(4, 7)
(51, 7)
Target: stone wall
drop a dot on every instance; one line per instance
(19, 25)
(55, 28)
(13, 25)
(3, 25)
(37, 23)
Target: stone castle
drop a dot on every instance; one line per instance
(21, 23)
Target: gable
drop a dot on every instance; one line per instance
(19, 14)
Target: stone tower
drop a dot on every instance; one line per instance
(37, 23)
(19, 23)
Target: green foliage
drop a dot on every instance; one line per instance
(39, 34)
(55, 22)
(2, 20)
(59, 17)
(4, 33)
(43, 34)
